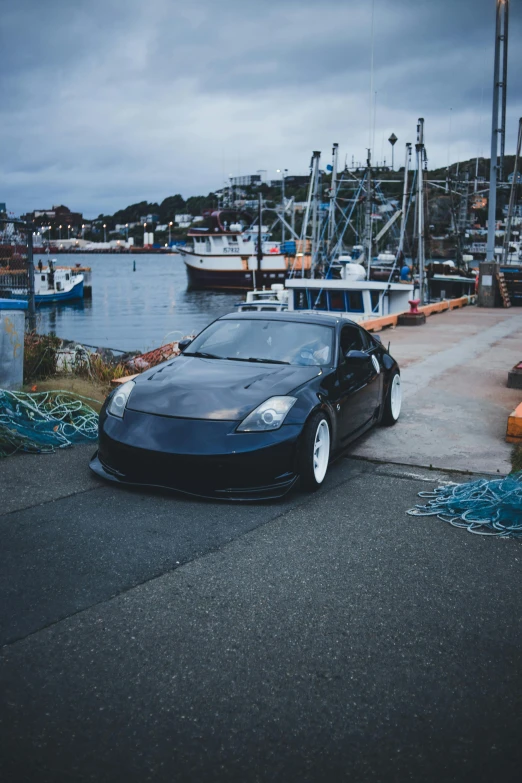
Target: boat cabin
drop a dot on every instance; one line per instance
(358, 299)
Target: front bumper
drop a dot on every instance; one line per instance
(202, 458)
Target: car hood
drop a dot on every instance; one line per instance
(221, 390)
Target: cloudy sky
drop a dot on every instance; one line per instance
(108, 102)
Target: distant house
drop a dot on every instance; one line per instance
(60, 214)
(183, 220)
(510, 177)
(149, 219)
(122, 227)
(248, 180)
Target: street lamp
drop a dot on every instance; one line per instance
(105, 232)
(283, 172)
(393, 141)
(83, 230)
(170, 228)
(127, 232)
(144, 233)
(59, 233)
(68, 231)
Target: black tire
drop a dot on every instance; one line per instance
(390, 416)
(309, 481)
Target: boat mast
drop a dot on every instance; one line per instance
(368, 214)
(502, 13)
(315, 221)
(314, 167)
(419, 147)
(259, 237)
(400, 251)
(509, 221)
(333, 194)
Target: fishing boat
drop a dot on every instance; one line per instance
(225, 255)
(57, 284)
(358, 300)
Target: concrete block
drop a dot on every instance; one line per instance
(412, 319)
(515, 377)
(12, 328)
(514, 426)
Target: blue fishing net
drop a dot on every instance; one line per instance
(42, 422)
(488, 507)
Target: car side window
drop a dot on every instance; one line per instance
(366, 340)
(351, 339)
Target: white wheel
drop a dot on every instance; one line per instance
(396, 397)
(393, 401)
(321, 451)
(314, 452)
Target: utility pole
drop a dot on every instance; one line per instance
(419, 147)
(503, 86)
(501, 31)
(333, 194)
(400, 251)
(30, 281)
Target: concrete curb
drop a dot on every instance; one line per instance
(376, 324)
(514, 426)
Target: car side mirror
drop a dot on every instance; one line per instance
(356, 357)
(184, 344)
(377, 337)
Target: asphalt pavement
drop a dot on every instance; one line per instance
(149, 637)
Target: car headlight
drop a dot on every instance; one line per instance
(268, 416)
(119, 401)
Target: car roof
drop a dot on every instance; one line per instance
(326, 319)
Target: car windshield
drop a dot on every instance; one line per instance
(277, 342)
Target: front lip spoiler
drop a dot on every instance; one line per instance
(240, 495)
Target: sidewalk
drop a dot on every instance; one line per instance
(456, 402)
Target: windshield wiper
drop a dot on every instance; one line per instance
(202, 355)
(255, 359)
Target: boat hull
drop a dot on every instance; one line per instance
(76, 292)
(233, 279)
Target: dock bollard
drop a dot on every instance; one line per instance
(414, 317)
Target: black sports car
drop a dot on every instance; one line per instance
(255, 402)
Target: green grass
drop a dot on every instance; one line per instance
(516, 458)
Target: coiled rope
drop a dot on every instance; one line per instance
(485, 507)
(42, 422)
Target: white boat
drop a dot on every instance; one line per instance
(224, 255)
(358, 300)
(275, 299)
(57, 284)
(514, 255)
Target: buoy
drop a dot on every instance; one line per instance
(134, 265)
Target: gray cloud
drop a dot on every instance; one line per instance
(105, 103)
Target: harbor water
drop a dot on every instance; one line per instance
(130, 310)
